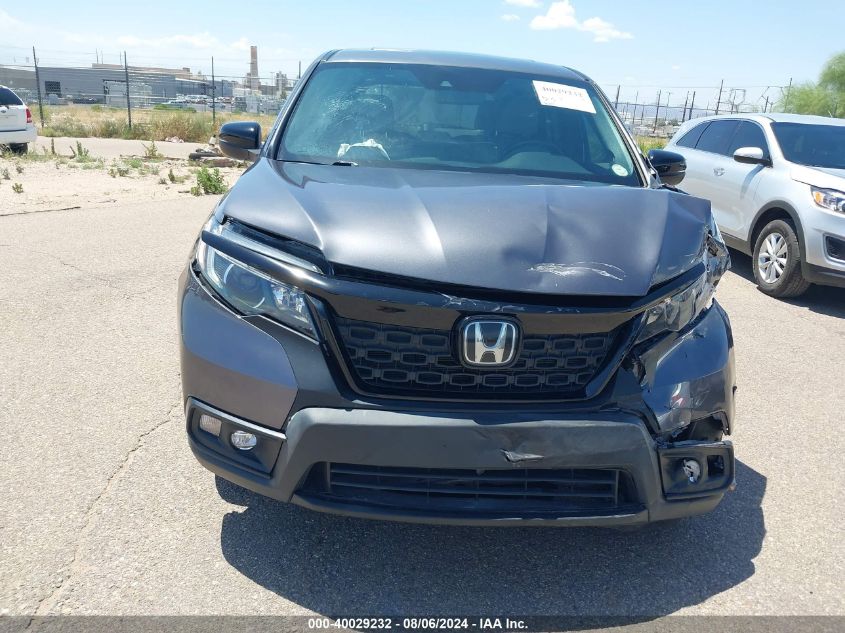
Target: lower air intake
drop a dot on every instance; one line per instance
(512, 492)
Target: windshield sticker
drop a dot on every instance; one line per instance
(563, 96)
(619, 170)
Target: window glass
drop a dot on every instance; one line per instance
(748, 135)
(717, 137)
(691, 138)
(465, 119)
(813, 145)
(9, 98)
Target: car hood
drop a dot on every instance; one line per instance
(824, 177)
(496, 231)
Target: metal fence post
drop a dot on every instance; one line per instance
(786, 104)
(128, 100)
(719, 100)
(616, 103)
(691, 104)
(38, 87)
(656, 112)
(213, 98)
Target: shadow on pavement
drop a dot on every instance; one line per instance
(821, 299)
(341, 566)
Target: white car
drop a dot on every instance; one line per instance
(16, 127)
(777, 186)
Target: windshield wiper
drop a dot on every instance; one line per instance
(337, 163)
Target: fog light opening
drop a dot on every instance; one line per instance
(716, 465)
(210, 424)
(243, 441)
(692, 470)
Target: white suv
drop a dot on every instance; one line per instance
(16, 126)
(777, 186)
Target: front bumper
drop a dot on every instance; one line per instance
(387, 438)
(254, 375)
(821, 227)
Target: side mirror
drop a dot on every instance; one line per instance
(752, 156)
(240, 140)
(670, 166)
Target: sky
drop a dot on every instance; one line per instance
(642, 46)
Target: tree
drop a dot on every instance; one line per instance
(825, 98)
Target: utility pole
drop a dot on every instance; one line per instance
(128, 101)
(38, 86)
(719, 100)
(656, 112)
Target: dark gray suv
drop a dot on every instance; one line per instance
(450, 289)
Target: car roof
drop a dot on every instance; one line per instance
(776, 117)
(444, 58)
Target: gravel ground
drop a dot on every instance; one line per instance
(105, 510)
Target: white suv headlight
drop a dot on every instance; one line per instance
(250, 291)
(829, 199)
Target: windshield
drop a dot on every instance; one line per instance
(438, 117)
(812, 145)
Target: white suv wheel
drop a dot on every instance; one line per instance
(772, 259)
(777, 260)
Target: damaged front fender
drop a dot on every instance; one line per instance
(690, 377)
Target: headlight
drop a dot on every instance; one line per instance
(250, 291)
(829, 199)
(676, 312)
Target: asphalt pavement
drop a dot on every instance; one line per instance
(105, 511)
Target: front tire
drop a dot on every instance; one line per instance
(18, 148)
(777, 261)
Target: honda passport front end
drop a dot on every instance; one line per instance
(450, 289)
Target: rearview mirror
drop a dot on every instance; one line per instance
(751, 156)
(240, 140)
(671, 167)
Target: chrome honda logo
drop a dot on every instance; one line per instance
(488, 343)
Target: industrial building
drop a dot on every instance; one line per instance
(106, 84)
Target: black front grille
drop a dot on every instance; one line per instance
(521, 492)
(403, 360)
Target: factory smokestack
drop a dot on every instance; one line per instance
(253, 68)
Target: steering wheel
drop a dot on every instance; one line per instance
(520, 147)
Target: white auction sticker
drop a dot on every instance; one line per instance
(619, 170)
(563, 96)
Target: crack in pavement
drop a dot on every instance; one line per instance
(49, 601)
(55, 257)
(103, 280)
(14, 213)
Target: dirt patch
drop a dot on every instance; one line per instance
(42, 181)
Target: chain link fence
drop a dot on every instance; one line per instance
(131, 100)
(124, 99)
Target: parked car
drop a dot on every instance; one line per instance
(16, 126)
(451, 289)
(777, 185)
